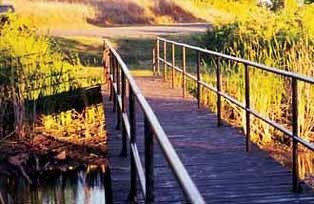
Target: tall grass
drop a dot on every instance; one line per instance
(32, 69)
(282, 39)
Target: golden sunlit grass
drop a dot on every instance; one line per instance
(54, 14)
(218, 12)
(59, 14)
(141, 73)
(73, 125)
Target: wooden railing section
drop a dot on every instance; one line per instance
(295, 78)
(122, 87)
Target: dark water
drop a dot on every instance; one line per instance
(82, 186)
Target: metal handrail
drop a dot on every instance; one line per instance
(243, 61)
(118, 75)
(246, 106)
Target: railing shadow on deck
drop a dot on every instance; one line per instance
(218, 57)
(119, 77)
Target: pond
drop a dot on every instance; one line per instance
(82, 186)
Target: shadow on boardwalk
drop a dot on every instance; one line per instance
(214, 157)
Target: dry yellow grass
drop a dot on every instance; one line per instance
(59, 14)
(54, 14)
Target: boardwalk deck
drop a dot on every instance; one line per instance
(214, 157)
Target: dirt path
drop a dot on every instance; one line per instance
(134, 31)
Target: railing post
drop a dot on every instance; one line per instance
(218, 87)
(165, 60)
(173, 64)
(110, 73)
(108, 68)
(114, 96)
(105, 63)
(183, 71)
(247, 106)
(198, 70)
(149, 162)
(123, 152)
(295, 164)
(118, 94)
(157, 57)
(133, 178)
(154, 61)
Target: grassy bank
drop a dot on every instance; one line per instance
(36, 76)
(282, 39)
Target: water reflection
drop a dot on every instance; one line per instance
(82, 186)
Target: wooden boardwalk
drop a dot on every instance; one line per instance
(214, 157)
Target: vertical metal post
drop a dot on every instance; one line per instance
(104, 61)
(123, 152)
(295, 163)
(218, 86)
(165, 60)
(198, 70)
(113, 84)
(154, 62)
(110, 73)
(173, 64)
(149, 162)
(157, 57)
(183, 72)
(133, 178)
(247, 106)
(118, 94)
(108, 68)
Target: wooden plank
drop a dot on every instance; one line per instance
(215, 157)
